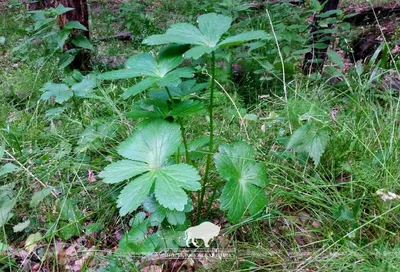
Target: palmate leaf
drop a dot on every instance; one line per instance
(246, 180)
(187, 108)
(85, 87)
(171, 180)
(156, 70)
(148, 151)
(153, 145)
(311, 139)
(140, 87)
(210, 29)
(159, 108)
(185, 88)
(149, 108)
(60, 92)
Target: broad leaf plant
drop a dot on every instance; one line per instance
(151, 157)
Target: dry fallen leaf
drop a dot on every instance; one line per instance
(30, 243)
(386, 195)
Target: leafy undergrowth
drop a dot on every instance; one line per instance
(325, 157)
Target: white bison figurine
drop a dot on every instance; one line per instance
(205, 231)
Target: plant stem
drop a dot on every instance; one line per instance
(283, 70)
(211, 142)
(187, 156)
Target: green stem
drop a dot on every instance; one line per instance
(211, 142)
(187, 156)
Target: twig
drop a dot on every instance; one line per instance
(29, 172)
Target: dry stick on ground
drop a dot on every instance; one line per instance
(29, 172)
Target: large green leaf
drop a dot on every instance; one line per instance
(181, 33)
(8, 168)
(245, 189)
(168, 239)
(185, 88)
(122, 170)
(39, 197)
(213, 26)
(84, 87)
(60, 9)
(174, 77)
(243, 37)
(140, 87)
(148, 151)
(75, 25)
(171, 181)
(158, 213)
(158, 71)
(149, 108)
(187, 108)
(159, 108)
(5, 211)
(60, 92)
(310, 138)
(153, 145)
(210, 29)
(82, 41)
(134, 193)
(119, 74)
(144, 64)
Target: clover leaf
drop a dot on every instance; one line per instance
(146, 163)
(158, 70)
(246, 180)
(206, 37)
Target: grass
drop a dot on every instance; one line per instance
(324, 218)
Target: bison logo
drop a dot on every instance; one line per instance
(205, 231)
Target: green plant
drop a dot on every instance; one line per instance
(205, 40)
(158, 182)
(136, 19)
(148, 151)
(246, 180)
(75, 87)
(158, 71)
(46, 30)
